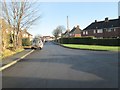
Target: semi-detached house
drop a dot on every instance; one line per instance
(103, 29)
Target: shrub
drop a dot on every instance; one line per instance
(26, 42)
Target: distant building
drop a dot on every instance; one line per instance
(103, 29)
(75, 32)
(48, 38)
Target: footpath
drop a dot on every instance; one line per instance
(11, 60)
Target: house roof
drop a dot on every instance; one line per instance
(102, 24)
(66, 32)
(76, 30)
(25, 31)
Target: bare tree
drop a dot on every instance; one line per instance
(19, 15)
(58, 31)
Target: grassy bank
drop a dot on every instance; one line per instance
(93, 47)
(8, 52)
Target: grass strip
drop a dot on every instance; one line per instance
(93, 47)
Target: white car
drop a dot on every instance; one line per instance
(37, 43)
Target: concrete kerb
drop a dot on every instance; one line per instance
(14, 62)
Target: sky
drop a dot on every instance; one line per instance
(79, 13)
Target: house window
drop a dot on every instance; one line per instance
(113, 29)
(99, 31)
(94, 31)
(86, 32)
(83, 32)
(109, 30)
(24, 35)
(6, 30)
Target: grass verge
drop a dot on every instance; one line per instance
(8, 52)
(93, 47)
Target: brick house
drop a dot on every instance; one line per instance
(26, 34)
(7, 32)
(103, 29)
(48, 38)
(75, 32)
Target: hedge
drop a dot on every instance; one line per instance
(90, 41)
(26, 42)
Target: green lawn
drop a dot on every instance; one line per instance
(93, 47)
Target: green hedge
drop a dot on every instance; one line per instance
(91, 41)
(26, 42)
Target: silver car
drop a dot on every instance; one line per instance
(37, 43)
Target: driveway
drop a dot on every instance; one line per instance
(58, 67)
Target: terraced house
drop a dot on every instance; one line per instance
(103, 29)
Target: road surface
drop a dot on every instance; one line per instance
(58, 67)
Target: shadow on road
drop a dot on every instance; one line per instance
(25, 82)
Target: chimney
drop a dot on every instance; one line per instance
(106, 19)
(78, 26)
(95, 21)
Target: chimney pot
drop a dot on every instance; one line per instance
(106, 19)
(95, 20)
(78, 26)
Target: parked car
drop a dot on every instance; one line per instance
(37, 43)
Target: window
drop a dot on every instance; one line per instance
(83, 32)
(113, 29)
(94, 31)
(109, 30)
(6, 30)
(23, 35)
(86, 32)
(99, 31)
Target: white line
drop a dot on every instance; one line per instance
(14, 62)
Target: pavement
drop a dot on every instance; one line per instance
(58, 67)
(14, 57)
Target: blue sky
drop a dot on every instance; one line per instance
(80, 13)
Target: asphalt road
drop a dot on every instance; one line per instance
(58, 67)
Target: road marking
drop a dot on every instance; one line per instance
(14, 62)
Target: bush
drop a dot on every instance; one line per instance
(26, 42)
(91, 41)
